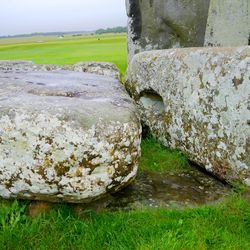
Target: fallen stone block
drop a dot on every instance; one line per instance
(65, 136)
(198, 100)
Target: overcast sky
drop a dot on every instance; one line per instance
(28, 16)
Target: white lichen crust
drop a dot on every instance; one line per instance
(65, 136)
(205, 109)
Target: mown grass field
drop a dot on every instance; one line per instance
(224, 226)
(69, 50)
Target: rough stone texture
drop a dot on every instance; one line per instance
(161, 24)
(198, 100)
(65, 136)
(228, 23)
(99, 68)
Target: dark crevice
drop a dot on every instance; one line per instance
(134, 13)
(203, 170)
(146, 134)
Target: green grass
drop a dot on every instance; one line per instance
(222, 226)
(69, 51)
(156, 158)
(225, 226)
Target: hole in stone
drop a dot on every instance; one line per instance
(153, 108)
(152, 102)
(249, 40)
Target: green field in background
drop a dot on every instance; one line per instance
(67, 50)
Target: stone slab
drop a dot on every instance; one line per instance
(65, 136)
(198, 100)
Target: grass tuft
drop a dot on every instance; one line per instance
(157, 158)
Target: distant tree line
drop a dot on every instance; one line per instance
(118, 29)
(49, 34)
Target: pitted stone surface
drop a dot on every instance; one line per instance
(198, 100)
(65, 136)
(99, 68)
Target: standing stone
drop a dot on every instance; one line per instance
(65, 136)
(162, 24)
(198, 100)
(228, 23)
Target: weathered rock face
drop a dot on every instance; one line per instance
(198, 100)
(65, 136)
(99, 68)
(161, 24)
(228, 23)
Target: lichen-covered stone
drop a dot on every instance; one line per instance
(99, 68)
(65, 136)
(228, 23)
(198, 100)
(162, 24)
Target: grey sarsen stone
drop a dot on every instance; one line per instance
(65, 136)
(198, 100)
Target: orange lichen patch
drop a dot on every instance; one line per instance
(238, 81)
(72, 157)
(78, 172)
(62, 168)
(46, 162)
